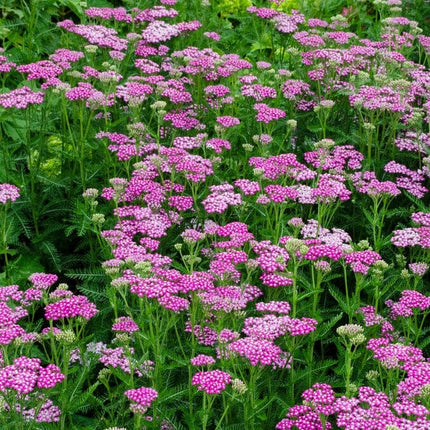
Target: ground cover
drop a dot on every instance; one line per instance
(214, 215)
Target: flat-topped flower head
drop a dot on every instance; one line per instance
(202, 360)
(274, 306)
(71, 307)
(8, 193)
(42, 280)
(211, 381)
(26, 374)
(267, 114)
(125, 324)
(258, 351)
(21, 98)
(141, 399)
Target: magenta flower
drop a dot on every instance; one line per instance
(218, 144)
(257, 351)
(117, 14)
(125, 325)
(159, 31)
(21, 98)
(42, 281)
(409, 301)
(221, 197)
(70, 307)
(302, 417)
(228, 121)
(44, 69)
(202, 360)
(8, 192)
(96, 34)
(25, 374)
(211, 381)
(212, 35)
(273, 306)
(418, 269)
(141, 399)
(258, 92)
(360, 261)
(266, 114)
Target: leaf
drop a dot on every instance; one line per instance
(49, 249)
(87, 274)
(315, 128)
(425, 342)
(25, 227)
(309, 294)
(340, 298)
(324, 328)
(12, 128)
(259, 46)
(369, 216)
(74, 5)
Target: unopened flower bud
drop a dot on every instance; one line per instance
(66, 337)
(239, 386)
(372, 375)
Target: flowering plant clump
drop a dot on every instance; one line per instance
(215, 215)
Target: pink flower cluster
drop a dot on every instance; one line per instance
(369, 410)
(267, 114)
(141, 399)
(26, 374)
(410, 301)
(202, 360)
(211, 381)
(360, 261)
(414, 236)
(8, 192)
(259, 352)
(221, 197)
(71, 307)
(125, 325)
(21, 98)
(96, 34)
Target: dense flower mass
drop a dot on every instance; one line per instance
(211, 381)
(26, 374)
(260, 216)
(141, 399)
(21, 98)
(70, 307)
(8, 192)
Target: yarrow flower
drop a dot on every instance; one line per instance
(202, 360)
(8, 192)
(221, 197)
(266, 114)
(228, 121)
(141, 399)
(257, 351)
(409, 301)
(125, 324)
(211, 381)
(25, 374)
(70, 307)
(42, 280)
(21, 98)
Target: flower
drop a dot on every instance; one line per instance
(8, 192)
(202, 360)
(125, 324)
(211, 381)
(141, 399)
(70, 307)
